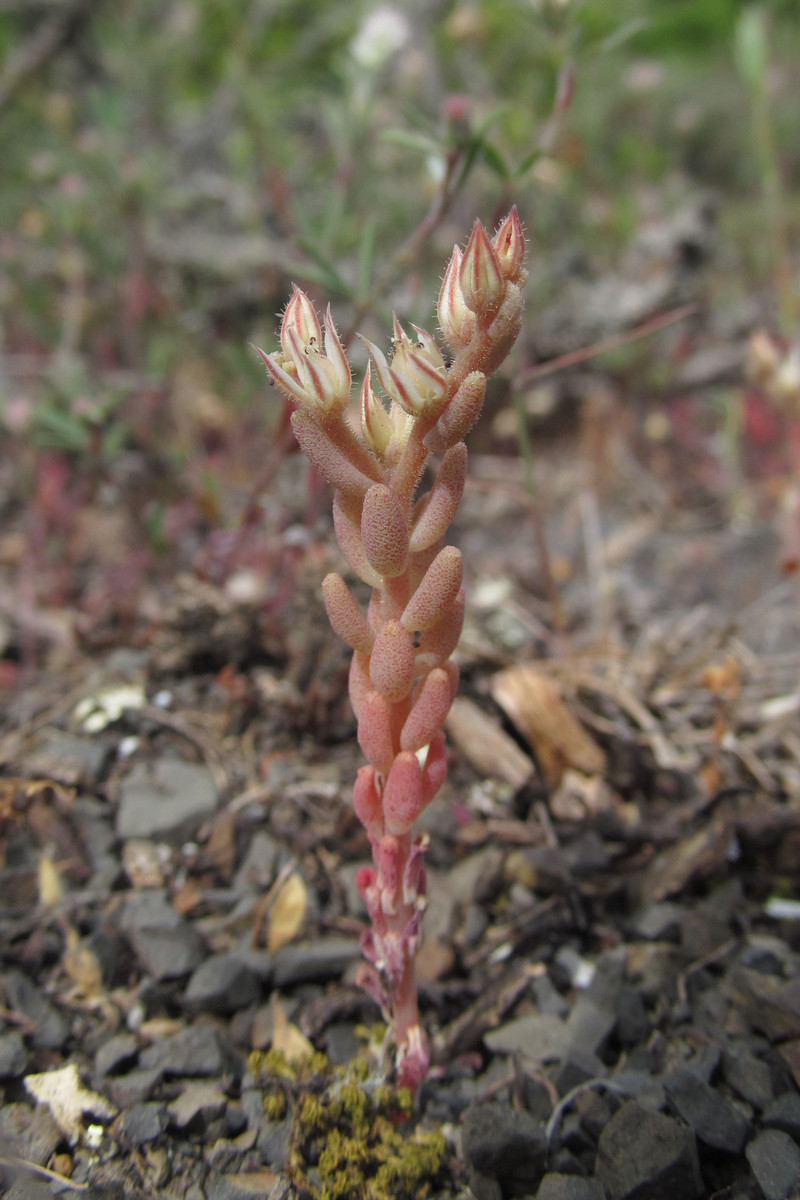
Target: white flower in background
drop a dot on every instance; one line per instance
(383, 31)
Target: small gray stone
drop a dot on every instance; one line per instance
(303, 962)
(716, 1120)
(222, 984)
(13, 1055)
(663, 1166)
(541, 1037)
(118, 1051)
(23, 995)
(143, 1123)
(197, 1050)
(749, 1077)
(168, 953)
(203, 1100)
(784, 1113)
(775, 1161)
(659, 921)
(258, 866)
(135, 1087)
(505, 1144)
(273, 1142)
(166, 801)
(568, 1187)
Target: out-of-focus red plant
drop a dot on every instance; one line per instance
(402, 679)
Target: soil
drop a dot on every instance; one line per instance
(609, 971)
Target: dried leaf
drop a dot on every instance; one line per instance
(534, 704)
(50, 891)
(67, 1099)
(287, 1038)
(483, 741)
(287, 913)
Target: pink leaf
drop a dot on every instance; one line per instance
(344, 614)
(326, 456)
(437, 591)
(434, 772)
(429, 711)
(347, 525)
(460, 415)
(359, 682)
(403, 795)
(438, 643)
(384, 531)
(442, 502)
(375, 731)
(391, 667)
(367, 804)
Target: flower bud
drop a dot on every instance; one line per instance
(456, 321)
(482, 283)
(509, 245)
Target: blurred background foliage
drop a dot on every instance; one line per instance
(170, 166)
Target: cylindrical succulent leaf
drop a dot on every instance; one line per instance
(460, 415)
(434, 772)
(403, 798)
(375, 731)
(437, 591)
(384, 531)
(438, 643)
(326, 456)
(345, 615)
(391, 666)
(347, 525)
(428, 712)
(358, 681)
(441, 503)
(367, 801)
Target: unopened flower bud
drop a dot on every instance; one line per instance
(456, 321)
(509, 245)
(482, 283)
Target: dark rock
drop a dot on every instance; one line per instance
(784, 1113)
(24, 996)
(506, 1145)
(166, 801)
(301, 962)
(135, 1087)
(716, 1120)
(575, 1069)
(659, 921)
(647, 1156)
(633, 1023)
(243, 1187)
(30, 1135)
(119, 1051)
(541, 1037)
(775, 1161)
(222, 984)
(143, 1123)
(197, 1100)
(568, 1187)
(13, 1055)
(341, 1042)
(748, 1076)
(195, 1051)
(273, 1142)
(168, 953)
(594, 1015)
(258, 866)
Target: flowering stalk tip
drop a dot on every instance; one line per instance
(402, 679)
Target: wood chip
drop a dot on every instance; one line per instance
(534, 704)
(486, 745)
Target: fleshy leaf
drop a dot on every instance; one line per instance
(384, 531)
(437, 591)
(441, 503)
